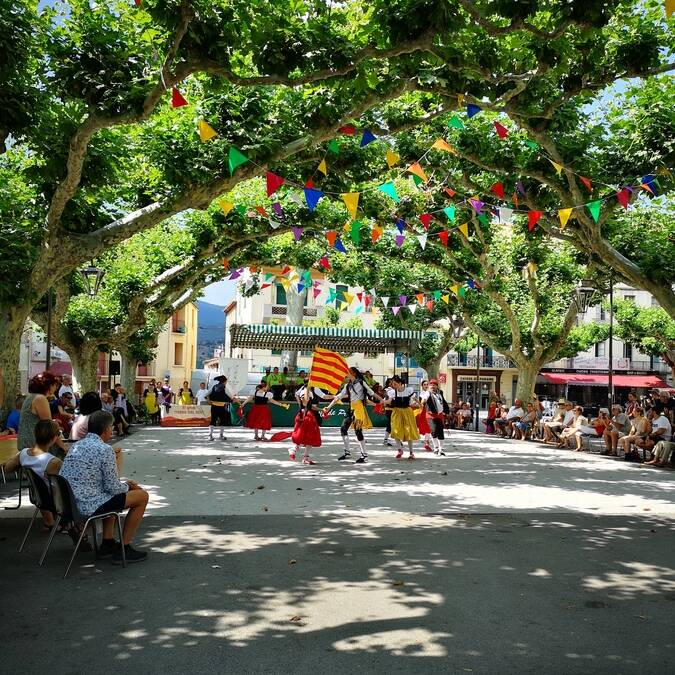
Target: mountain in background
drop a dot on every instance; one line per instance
(211, 323)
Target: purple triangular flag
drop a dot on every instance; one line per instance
(521, 188)
(234, 275)
(297, 233)
(400, 238)
(477, 205)
(276, 207)
(403, 299)
(395, 310)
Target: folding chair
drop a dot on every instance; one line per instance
(66, 510)
(39, 496)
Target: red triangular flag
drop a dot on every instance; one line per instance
(443, 236)
(347, 130)
(331, 235)
(624, 197)
(426, 219)
(533, 218)
(359, 296)
(587, 183)
(498, 189)
(286, 270)
(177, 99)
(261, 211)
(501, 130)
(274, 182)
(450, 192)
(309, 184)
(430, 305)
(324, 262)
(367, 300)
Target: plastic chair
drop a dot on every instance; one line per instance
(66, 510)
(41, 499)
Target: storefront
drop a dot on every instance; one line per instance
(464, 386)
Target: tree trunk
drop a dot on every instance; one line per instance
(433, 366)
(85, 367)
(128, 370)
(527, 377)
(12, 322)
(295, 314)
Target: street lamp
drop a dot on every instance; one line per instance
(582, 295)
(92, 277)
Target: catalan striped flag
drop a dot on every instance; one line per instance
(328, 371)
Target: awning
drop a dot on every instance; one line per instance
(305, 338)
(585, 379)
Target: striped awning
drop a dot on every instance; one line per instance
(304, 338)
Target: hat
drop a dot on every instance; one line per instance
(218, 378)
(604, 410)
(434, 381)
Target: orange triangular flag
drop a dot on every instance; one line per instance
(226, 263)
(323, 167)
(420, 298)
(464, 229)
(206, 131)
(376, 233)
(418, 171)
(351, 200)
(331, 235)
(392, 158)
(440, 144)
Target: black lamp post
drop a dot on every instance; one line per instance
(582, 295)
(92, 277)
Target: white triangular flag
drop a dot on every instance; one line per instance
(372, 292)
(295, 197)
(412, 308)
(274, 225)
(422, 238)
(385, 300)
(505, 215)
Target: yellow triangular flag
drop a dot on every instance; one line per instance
(564, 215)
(347, 227)
(460, 100)
(464, 229)
(392, 158)
(445, 299)
(558, 167)
(351, 200)
(225, 206)
(323, 167)
(670, 8)
(440, 144)
(343, 306)
(455, 289)
(532, 268)
(348, 298)
(206, 131)
(285, 283)
(418, 171)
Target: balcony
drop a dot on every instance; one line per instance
(464, 361)
(642, 365)
(276, 311)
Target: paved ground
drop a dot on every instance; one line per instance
(500, 558)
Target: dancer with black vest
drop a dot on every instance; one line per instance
(259, 417)
(401, 398)
(219, 398)
(357, 392)
(437, 409)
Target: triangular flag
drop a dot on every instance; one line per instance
(359, 309)
(317, 292)
(460, 100)
(301, 288)
(564, 215)
(177, 99)
(464, 229)
(505, 215)
(587, 183)
(430, 305)
(274, 182)
(309, 183)
(450, 212)
(531, 144)
(276, 207)
(351, 200)
(297, 233)
(498, 189)
(420, 298)
(206, 131)
(594, 208)
(356, 232)
(450, 192)
(455, 123)
(347, 130)
(286, 270)
(472, 109)
(440, 144)
(343, 306)
(514, 199)
(367, 137)
(389, 189)
(400, 238)
(261, 211)
(454, 288)
(670, 8)
(533, 218)
(348, 297)
(426, 219)
(264, 286)
(476, 204)
(376, 233)
(402, 299)
(400, 225)
(558, 167)
(334, 146)
(395, 310)
(443, 236)
(501, 130)
(339, 246)
(241, 208)
(225, 206)
(422, 238)
(359, 297)
(418, 171)
(331, 235)
(520, 187)
(235, 158)
(385, 300)
(624, 197)
(323, 167)
(312, 197)
(417, 180)
(412, 308)
(649, 184)
(392, 158)
(461, 292)
(226, 263)
(446, 299)
(323, 262)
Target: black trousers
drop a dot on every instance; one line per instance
(436, 426)
(344, 428)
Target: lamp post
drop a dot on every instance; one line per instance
(477, 387)
(582, 296)
(610, 369)
(92, 277)
(48, 351)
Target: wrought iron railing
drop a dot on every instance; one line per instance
(465, 361)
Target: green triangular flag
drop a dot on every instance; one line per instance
(437, 295)
(462, 291)
(483, 219)
(334, 146)
(241, 208)
(356, 232)
(417, 180)
(455, 123)
(235, 158)
(450, 212)
(531, 144)
(389, 189)
(594, 208)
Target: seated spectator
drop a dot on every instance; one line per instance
(63, 411)
(14, 418)
(639, 430)
(618, 427)
(119, 410)
(563, 420)
(574, 430)
(632, 404)
(662, 452)
(464, 417)
(66, 386)
(493, 409)
(89, 403)
(661, 430)
(515, 414)
(523, 426)
(90, 470)
(665, 404)
(275, 381)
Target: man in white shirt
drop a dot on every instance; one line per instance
(512, 416)
(661, 430)
(202, 393)
(562, 421)
(66, 386)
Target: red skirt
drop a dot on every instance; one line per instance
(423, 423)
(259, 417)
(306, 430)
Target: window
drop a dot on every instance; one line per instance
(276, 352)
(602, 313)
(487, 357)
(178, 354)
(631, 298)
(281, 295)
(600, 349)
(371, 355)
(627, 351)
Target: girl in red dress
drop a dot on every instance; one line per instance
(259, 417)
(306, 432)
(421, 419)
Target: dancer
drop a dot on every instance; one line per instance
(306, 432)
(387, 413)
(219, 398)
(355, 391)
(422, 421)
(437, 409)
(308, 398)
(259, 417)
(403, 425)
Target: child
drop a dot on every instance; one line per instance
(259, 417)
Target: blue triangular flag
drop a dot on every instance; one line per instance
(339, 246)
(472, 109)
(400, 225)
(301, 288)
(312, 197)
(650, 182)
(367, 137)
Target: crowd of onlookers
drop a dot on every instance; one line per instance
(639, 430)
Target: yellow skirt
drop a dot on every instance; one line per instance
(403, 425)
(361, 419)
(151, 404)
